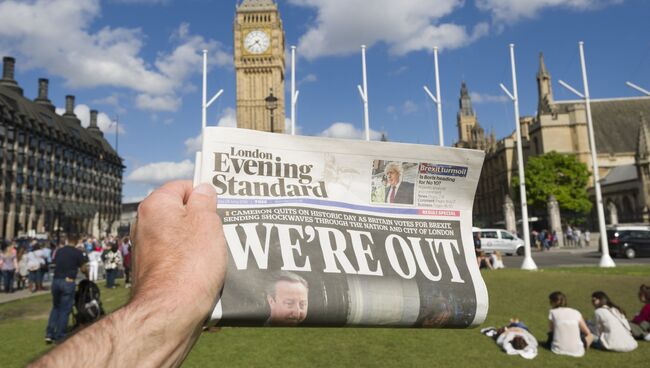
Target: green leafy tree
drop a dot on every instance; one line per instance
(560, 175)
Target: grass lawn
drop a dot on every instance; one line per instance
(512, 293)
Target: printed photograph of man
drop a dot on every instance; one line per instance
(287, 295)
(397, 190)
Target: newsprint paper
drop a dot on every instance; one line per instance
(333, 232)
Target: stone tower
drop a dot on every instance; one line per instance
(544, 91)
(470, 132)
(259, 64)
(643, 164)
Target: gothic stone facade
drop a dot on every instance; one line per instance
(259, 64)
(56, 175)
(621, 133)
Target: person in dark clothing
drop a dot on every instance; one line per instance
(68, 260)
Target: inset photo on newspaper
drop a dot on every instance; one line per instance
(393, 182)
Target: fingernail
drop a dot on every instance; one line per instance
(205, 189)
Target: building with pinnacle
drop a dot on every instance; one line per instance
(622, 137)
(259, 55)
(57, 176)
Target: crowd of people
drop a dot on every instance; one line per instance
(573, 237)
(569, 334)
(27, 263)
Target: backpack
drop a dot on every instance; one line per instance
(87, 303)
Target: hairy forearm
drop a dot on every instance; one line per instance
(143, 334)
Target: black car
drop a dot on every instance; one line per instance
(629, 241)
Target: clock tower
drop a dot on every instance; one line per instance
(259, 65)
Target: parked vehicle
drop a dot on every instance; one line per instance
(629, 241)
(493, 240)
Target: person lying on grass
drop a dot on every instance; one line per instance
(514, 339)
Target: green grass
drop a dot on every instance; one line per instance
(512, 293)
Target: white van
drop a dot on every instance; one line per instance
(493, 240)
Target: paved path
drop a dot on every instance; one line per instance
(587, 256)
(21, 294)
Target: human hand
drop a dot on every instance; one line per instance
(179, 251)
(179, 263)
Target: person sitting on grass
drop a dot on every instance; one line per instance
(484, 261)
(569, 333)
(514, 339)
(497, 260)
(610, 327)
(640, 324)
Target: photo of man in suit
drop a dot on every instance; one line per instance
(287, 297)
(397, 191)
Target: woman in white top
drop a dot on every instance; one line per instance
(569, 333)
(611, 327)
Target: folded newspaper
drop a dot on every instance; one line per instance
(333, 232)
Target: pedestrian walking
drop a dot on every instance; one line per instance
(112, 261)
(8, 265)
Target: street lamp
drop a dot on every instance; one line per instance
(605, 260)
(271, 105)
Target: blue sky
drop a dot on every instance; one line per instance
(141, 60)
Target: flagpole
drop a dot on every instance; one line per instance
(294, 93)
(528, 263)
(364, 93)
(438, 100)
(605, 260)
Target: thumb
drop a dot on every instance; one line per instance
(202, 199)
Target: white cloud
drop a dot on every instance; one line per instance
(193, 144)
(405, 26)
(134, 199)
(309, 78)
(111, 100)
(228, 118)
(157, 173)
(348, 131)
(145, 2)
(104, 122)
(487, 98)
(399, 71)
(55, 35)
(510, 11)
(157, 103)
(409, 107)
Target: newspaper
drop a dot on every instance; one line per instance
(333, 232)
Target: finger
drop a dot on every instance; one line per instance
(176, 189)
(202, 199)
(171, 195)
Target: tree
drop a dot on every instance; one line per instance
(563, 176)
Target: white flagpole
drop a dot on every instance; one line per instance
(205, 88)
(364, 93)
(528, 263)
(294, 93)
(438, 99)
(605, 259)
(642, 90)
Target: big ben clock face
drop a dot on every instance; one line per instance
(256, 42)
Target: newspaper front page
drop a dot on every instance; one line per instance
(333, 232)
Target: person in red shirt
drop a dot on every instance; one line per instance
(640, 324)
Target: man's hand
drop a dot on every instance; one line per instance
(179, 263)
(179, 249)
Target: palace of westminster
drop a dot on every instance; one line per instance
(60, 176)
